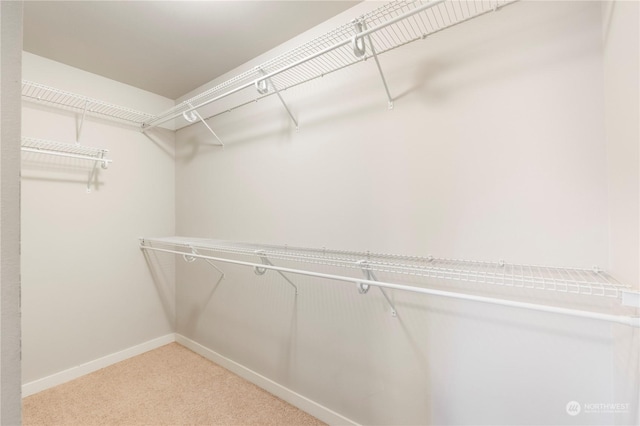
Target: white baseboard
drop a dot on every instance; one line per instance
(321, 412)
(95, 365)
(305, 404)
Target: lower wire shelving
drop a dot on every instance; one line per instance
(69, 150)
(61, 149)
(572, 281)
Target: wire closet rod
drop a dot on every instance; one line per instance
(619, 319)
(153, 123)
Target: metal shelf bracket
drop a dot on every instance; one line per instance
(103, 163)
(193, 116)
(359, 49)
(371, 276)
(262, 86)
(265, 261)
(190, 259)
(84, 112)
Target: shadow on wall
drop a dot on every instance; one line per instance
(162, 270)
(38, 167)
(607, 14)
(163, 139)
(196, 309)
(222, 306)
(496, 57)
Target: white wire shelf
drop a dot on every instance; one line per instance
(40, 93)
(385, 28)
(69, 150)
(43, 146)
(587, 282)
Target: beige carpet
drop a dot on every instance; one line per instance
(167, 386)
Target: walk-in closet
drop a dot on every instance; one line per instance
(416, 212)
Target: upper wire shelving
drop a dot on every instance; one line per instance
(47, 95)
(83, 105)
(381, 30)
(576, 281)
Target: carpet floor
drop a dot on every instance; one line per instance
(170, 385)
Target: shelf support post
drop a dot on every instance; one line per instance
(193, 115)
(360, 26)
(265, 261)
(94, 170)
(190, 259)
(262, 88)
(364, 288)
(84, 111)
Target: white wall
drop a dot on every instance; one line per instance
(10, 65)
(496, 149)
(621, 47)
(86, 287)
(473, 151)
(620, 43)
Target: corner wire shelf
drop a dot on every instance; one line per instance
(381, 30)
(386, 28)
(51, 96)
(70, 150)
(586, 282)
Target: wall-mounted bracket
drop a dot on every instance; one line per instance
(103, 163)
(93, 172)
(84, 112)
(190, 259)
(359, 49)
(193, 116)
(370, 276)
(262, 86)
(357, 42)
(265, 261)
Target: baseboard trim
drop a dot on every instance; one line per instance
(319, 411)
(95, 365)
